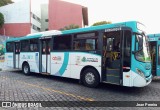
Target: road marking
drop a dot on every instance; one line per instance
(57, 91)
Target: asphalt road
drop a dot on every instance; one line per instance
(15, 86)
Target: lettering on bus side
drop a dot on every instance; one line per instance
(112, 29)
(84, 59)
(27, 57)
(57, 58)
(152, 39)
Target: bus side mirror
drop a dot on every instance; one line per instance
(134, 52)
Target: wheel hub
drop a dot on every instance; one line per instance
(25, 69)
(90, 78)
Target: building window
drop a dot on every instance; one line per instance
(35, 27)
(35, 17)
(38, 29)
(38, 19)
(46, 20)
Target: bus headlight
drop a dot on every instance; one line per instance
(140, 72)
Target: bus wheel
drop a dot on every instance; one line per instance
(90, 78)
(26, 69)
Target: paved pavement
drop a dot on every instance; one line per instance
(15, 86)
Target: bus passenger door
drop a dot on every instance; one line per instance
(112, 57)
(46, 59)
(158, 59)
(16, 55)
(154, 56)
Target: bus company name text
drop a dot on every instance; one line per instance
(57, 58)
(112, 29)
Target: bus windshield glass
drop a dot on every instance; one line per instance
(142, 48)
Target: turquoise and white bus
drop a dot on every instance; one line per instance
(154, 41)
(112, 53)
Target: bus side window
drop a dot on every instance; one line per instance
(9, 47)
(34, 45)
(62, 42)
(25, 46)
(88, 46)
(76, 46)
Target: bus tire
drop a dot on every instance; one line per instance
(90, 78)
(26, 69)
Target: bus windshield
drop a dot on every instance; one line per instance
(142, 48)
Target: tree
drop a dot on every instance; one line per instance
(2, 3)
(72, 26)
(1, 20)
(101, 23)
(5, 2)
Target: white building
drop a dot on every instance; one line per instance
(25, 16)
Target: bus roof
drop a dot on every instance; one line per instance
(79, 30)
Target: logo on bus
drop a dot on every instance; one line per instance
(57, 58)
(84, 59)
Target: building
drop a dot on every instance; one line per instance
(63, 13)
(44, 17)
(30, 16)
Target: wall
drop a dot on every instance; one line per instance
(36, 10)
(17, 19)
(63, 14)
(16, 12)
(15, 29)
(44, 16)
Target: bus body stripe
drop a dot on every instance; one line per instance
(65, 63)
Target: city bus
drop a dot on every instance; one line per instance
(154, 41)
(112, 53)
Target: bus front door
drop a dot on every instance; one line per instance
(46, 58)
(158, 59)
(16, 55)
(112, 57)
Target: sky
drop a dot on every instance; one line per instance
(144, 11)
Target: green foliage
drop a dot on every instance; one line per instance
(1, 20)
(72, 26)
(101, 23)
(5, 2)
